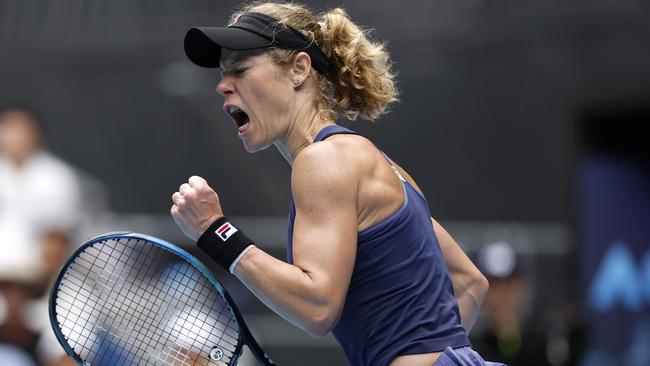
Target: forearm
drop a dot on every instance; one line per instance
(310, 293)
(297, 295)
(469, 293)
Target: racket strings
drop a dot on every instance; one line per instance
(78, 306)
(107, 281)
(128, 303)
(122, 307)
(111, 287)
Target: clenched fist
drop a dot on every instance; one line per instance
(196, 207)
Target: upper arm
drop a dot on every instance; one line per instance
(324, 186)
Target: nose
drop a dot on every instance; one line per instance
(225, 86)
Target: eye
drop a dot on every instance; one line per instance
(235, 71)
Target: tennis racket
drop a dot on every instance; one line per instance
(132, 299)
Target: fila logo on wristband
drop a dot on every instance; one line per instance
(225, 231)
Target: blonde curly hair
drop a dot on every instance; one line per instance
(362, 84)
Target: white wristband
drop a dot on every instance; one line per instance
(231, 269)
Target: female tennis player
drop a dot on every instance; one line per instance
(365, 259)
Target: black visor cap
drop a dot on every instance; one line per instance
(203, 44)
(249, 32)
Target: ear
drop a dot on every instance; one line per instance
(300, 68)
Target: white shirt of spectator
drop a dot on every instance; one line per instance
(41, 195)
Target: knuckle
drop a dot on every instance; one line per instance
(197, 181)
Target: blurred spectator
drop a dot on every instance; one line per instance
(26, 338)
(507, 336)
(14, 356)
(40, 204)
(16, 292)
(55, 250)
(38, 192)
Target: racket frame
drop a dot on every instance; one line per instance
(245, 335)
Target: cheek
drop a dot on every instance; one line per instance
(272, 98)
(272, 93)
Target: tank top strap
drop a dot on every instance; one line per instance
(393, 166)
(330, 130)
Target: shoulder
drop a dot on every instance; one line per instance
(52, 165)
(337, 156)
(335, 164)
(47, 160)
(345, 149)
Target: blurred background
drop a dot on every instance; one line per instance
(523, 122)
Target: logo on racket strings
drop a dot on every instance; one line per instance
(225, 231)
(216, 354)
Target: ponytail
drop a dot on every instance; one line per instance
(364, 83)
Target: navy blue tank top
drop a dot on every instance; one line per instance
(400, 299)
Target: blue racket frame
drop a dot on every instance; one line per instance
(245, 335)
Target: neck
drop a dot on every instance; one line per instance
(302, 132)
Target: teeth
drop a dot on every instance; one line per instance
(234, 109)
(243, 127)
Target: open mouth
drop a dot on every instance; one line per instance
(240, 117)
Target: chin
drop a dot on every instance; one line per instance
(253, 148)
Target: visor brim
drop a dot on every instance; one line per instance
(203, 44)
